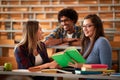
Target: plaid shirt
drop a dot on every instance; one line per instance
(60, 33)
(25, 59)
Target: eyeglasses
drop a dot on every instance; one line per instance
(65, 20)
(87, 26)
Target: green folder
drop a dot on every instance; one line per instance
(69, 55)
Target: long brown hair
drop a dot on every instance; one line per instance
(99, 32)
(29, 35)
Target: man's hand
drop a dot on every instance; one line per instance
(52, 42)
(69, 39)
(72, 41)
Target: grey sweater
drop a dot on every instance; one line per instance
(101, 53)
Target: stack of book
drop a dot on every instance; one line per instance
(94, 67)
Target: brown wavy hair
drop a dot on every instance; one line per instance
(97, 22)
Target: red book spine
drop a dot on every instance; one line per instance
(95, 66)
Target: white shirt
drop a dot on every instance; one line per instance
(38, 60)
(69, 35)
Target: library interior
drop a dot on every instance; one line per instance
(15, 13)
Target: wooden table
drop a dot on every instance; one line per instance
(55, 75)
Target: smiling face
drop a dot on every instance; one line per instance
(88, 28)
(66, 23)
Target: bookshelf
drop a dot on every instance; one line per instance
(14, 14)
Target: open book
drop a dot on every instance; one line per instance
(68, 56)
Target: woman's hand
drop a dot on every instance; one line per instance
(38, 68)
(34, 69)
(75, 64)
(52, 64)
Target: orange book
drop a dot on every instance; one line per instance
(95, 66)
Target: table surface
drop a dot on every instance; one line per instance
(27, 73)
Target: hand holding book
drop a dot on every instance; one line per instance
(69, 57)
(75, 64)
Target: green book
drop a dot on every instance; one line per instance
(69, 55)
